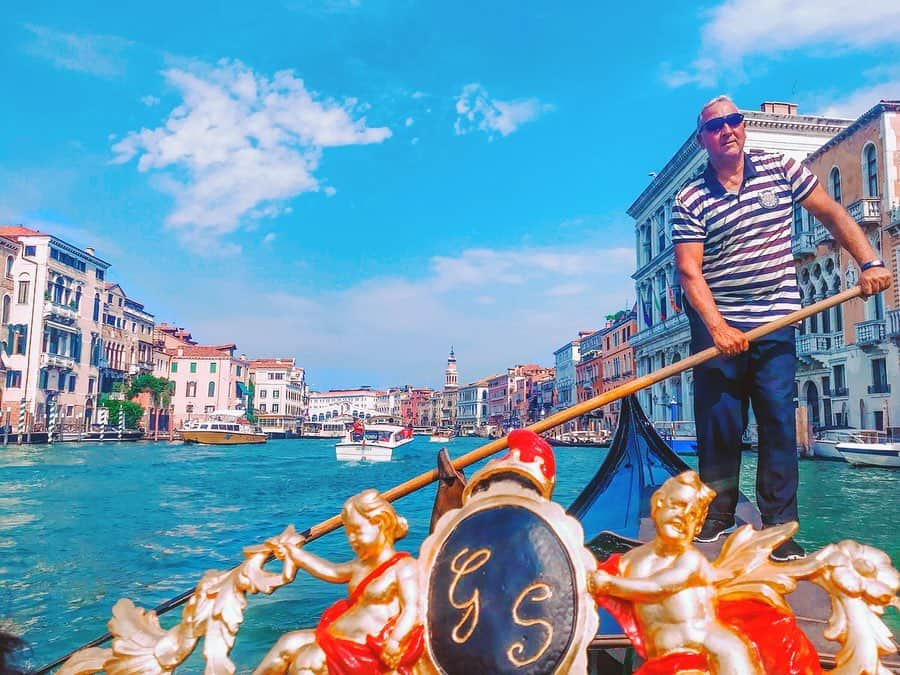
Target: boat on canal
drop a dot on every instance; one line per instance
(372, 442)
(885, 455)
(223, 427)
(581, 439)
(827, 439)
(680, 435)
(441, 436)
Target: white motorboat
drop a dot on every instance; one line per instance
(441, 436)
(372, 442)
(826, 441)
(885, 455)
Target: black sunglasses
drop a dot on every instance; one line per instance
(716, 123)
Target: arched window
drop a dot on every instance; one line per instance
(211, 389)
(9, 266)
(834, 184)
(96, 306)
(870, 166)
(7, 301)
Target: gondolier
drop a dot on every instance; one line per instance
(731, 228)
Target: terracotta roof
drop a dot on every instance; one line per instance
(201, 351)
(286, 363)
(13, 231)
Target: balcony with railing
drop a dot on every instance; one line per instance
(57, 361)
(893, 226)
(870, 332)
(840, 392)
(893, 324)
(802, 244)
(60, 312)
(866, 211)
(880, 388)
(672, 324)
(820, 232)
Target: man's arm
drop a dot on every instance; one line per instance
(849, 235)
(689, 262)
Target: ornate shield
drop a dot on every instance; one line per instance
(504, 582)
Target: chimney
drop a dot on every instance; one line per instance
(89, 250)
(778, 108)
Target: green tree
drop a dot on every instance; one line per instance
(133, 411)
(161, 391)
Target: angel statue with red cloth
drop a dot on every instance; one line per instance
(377, 628)
(685, 614)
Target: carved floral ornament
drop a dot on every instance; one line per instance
(504, 584)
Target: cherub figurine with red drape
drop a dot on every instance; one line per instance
(376, 629)
(728, 617)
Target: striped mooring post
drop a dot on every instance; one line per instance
(21, 428)
(121, 421)
(51, 419)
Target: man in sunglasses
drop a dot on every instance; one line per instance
(731, 228)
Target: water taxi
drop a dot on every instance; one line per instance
(441, 436)
(224, 427)
(680, 435)
(826, 441)
(581, 439)
(885, 455)
(372, 442)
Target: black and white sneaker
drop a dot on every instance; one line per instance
(788, 550)
(712, 529)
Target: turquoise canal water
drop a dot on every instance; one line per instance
(82, 525)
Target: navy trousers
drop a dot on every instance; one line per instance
(724, 388)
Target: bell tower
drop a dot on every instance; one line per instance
(450, 381)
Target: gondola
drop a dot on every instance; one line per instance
(613, 511)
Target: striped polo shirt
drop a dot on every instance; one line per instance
(747, 258)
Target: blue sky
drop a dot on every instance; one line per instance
(362, 184)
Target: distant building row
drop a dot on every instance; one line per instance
(69, 335)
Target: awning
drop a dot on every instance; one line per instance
(242, 390)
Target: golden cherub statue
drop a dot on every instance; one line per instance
(377, 627)
(728, 617)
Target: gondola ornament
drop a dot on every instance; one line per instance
(376, 629)
(684, 614)
(504, 577)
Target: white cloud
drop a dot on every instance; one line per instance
(94, 54)
(269, 238)
(737, 29)
(149, 101)
(476, 111)
(409, 121)
(240, 145)
(854, 104)
(497, 307)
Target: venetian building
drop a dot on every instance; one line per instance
(472, 406)
(450, 394)
(849, 355)
(9, 251)
(589, 377)
(53, 331)
(127, 336)
(618, 361)
(662, 335)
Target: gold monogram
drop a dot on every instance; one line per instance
(539, 592)
(471, 606)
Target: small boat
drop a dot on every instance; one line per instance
(334, 427)
(581, 439)
(825, 443)
(441, 436)
(372, 442)
(680, 435)
(223, 427)
(886, 455)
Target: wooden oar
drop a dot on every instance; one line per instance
(577, 410)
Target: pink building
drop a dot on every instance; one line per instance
(207, 378)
